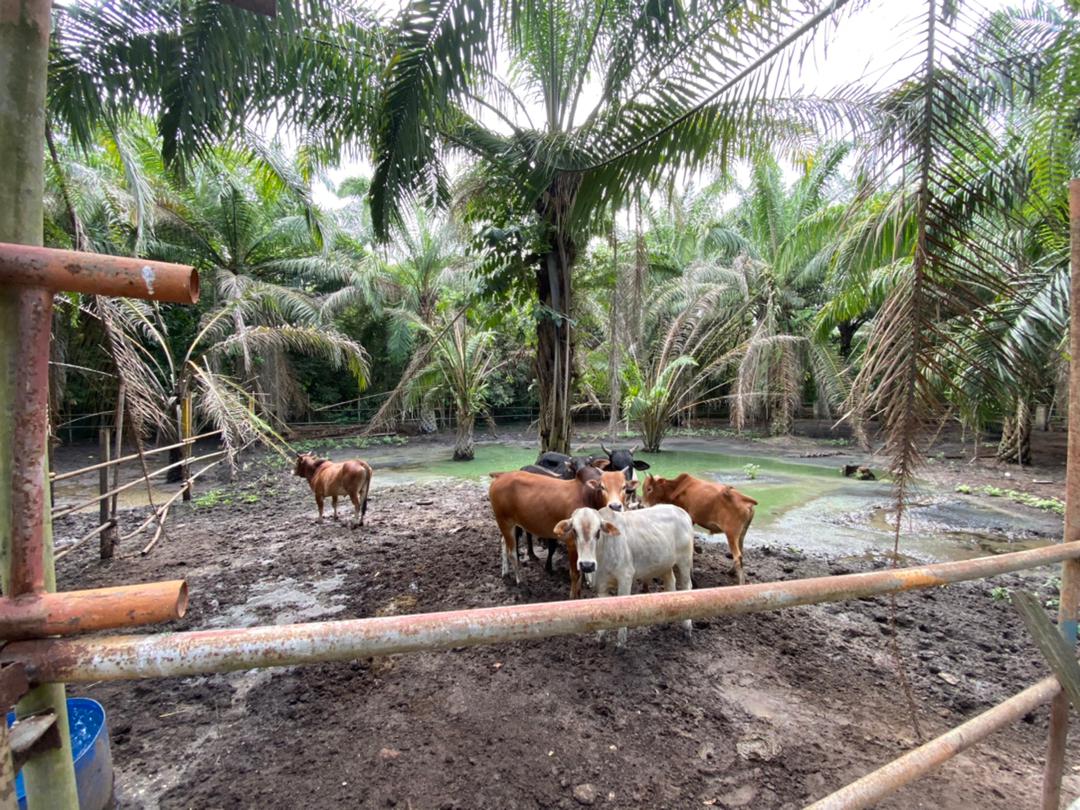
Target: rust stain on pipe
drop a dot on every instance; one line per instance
(30, 416)
(875, 786)
(67, 613)
(207, 651)
(98, 274)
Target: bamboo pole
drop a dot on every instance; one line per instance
(24, 49)
(70, 547)
(105, 515)
(1070, 570)
(130, 457)
(67, 510)
(226, 650)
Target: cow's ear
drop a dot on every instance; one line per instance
(593, 484)
(563, 528)
(609, 528)
(600, 463)
(631, 485)
(641, 465)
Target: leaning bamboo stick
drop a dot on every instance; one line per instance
(70, 547)
(69, 509)
(161, 520)
(83, 470)
(154, 515)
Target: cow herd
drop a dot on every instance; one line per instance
(590, 505)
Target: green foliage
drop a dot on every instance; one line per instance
(212, 498)
(1034, 501)
(1000, 594)
(751, 470)
(963, 489)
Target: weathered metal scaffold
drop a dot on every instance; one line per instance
(41, 629)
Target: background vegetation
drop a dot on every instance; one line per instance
(606, 204)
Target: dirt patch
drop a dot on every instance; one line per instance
(761, 711)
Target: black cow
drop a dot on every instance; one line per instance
(624, 460)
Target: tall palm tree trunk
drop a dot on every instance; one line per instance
(1015, 444)
(614, 337)
(555, 347)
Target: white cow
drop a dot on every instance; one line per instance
(615, 548)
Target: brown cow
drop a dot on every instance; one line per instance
(336, 479)
(537, 503)
(714, 507)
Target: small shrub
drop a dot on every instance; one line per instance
(250, 497)
(963, 489)
(993, 492)
(1000, 594)
(751, 470)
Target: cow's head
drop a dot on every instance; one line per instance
(655, 490)
(611, 489)
(306, 464)
(624, 460)
(587, 528)
(579, 463)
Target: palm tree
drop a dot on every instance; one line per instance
(408, 279)
(245, 220)
(205, 70)
(784, 242)
(460, 370)
(679, 87)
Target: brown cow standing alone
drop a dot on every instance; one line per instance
(714, 507)
(336, 479)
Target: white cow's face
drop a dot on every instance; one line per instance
(587, 529)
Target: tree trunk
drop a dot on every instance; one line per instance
(463, 444)
(1015, 444)
(555, 352)
(614, 369)
(847, 331)
(428, 421)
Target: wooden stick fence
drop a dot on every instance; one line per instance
(107, 529)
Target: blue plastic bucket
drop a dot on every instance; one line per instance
(90, 748)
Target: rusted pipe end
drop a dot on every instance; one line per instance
(193, 286)
(181, 601)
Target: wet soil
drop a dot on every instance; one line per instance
(760, 711)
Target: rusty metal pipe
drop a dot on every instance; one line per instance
(71, 612)
(30, 416)
(207, 651)
(878, 784)
(97, 273)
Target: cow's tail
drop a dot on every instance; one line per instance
(367, 487)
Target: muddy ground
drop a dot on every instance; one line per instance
(761, 711)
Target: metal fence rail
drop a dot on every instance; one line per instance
(207, 651)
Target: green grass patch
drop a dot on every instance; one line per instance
(1034, 501)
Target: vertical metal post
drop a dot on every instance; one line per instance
(105, 514)
(25, 326)
(1070, 570)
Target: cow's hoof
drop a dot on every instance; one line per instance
(534, 558)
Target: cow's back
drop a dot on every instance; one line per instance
(340, 479)
(533, 502)
(657, 537)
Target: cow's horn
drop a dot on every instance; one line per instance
(635, 448)
(606, 451)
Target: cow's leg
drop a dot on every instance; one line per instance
(575, 575)
(625, 586)
(333, 502)
(358, 518)
(735, 542)
(509, 549)
(551, 545)
(680, 579)
(532, 554)
(319, 500)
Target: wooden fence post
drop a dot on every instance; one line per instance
(1070, 570)
(106, 509)
(186, 433)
